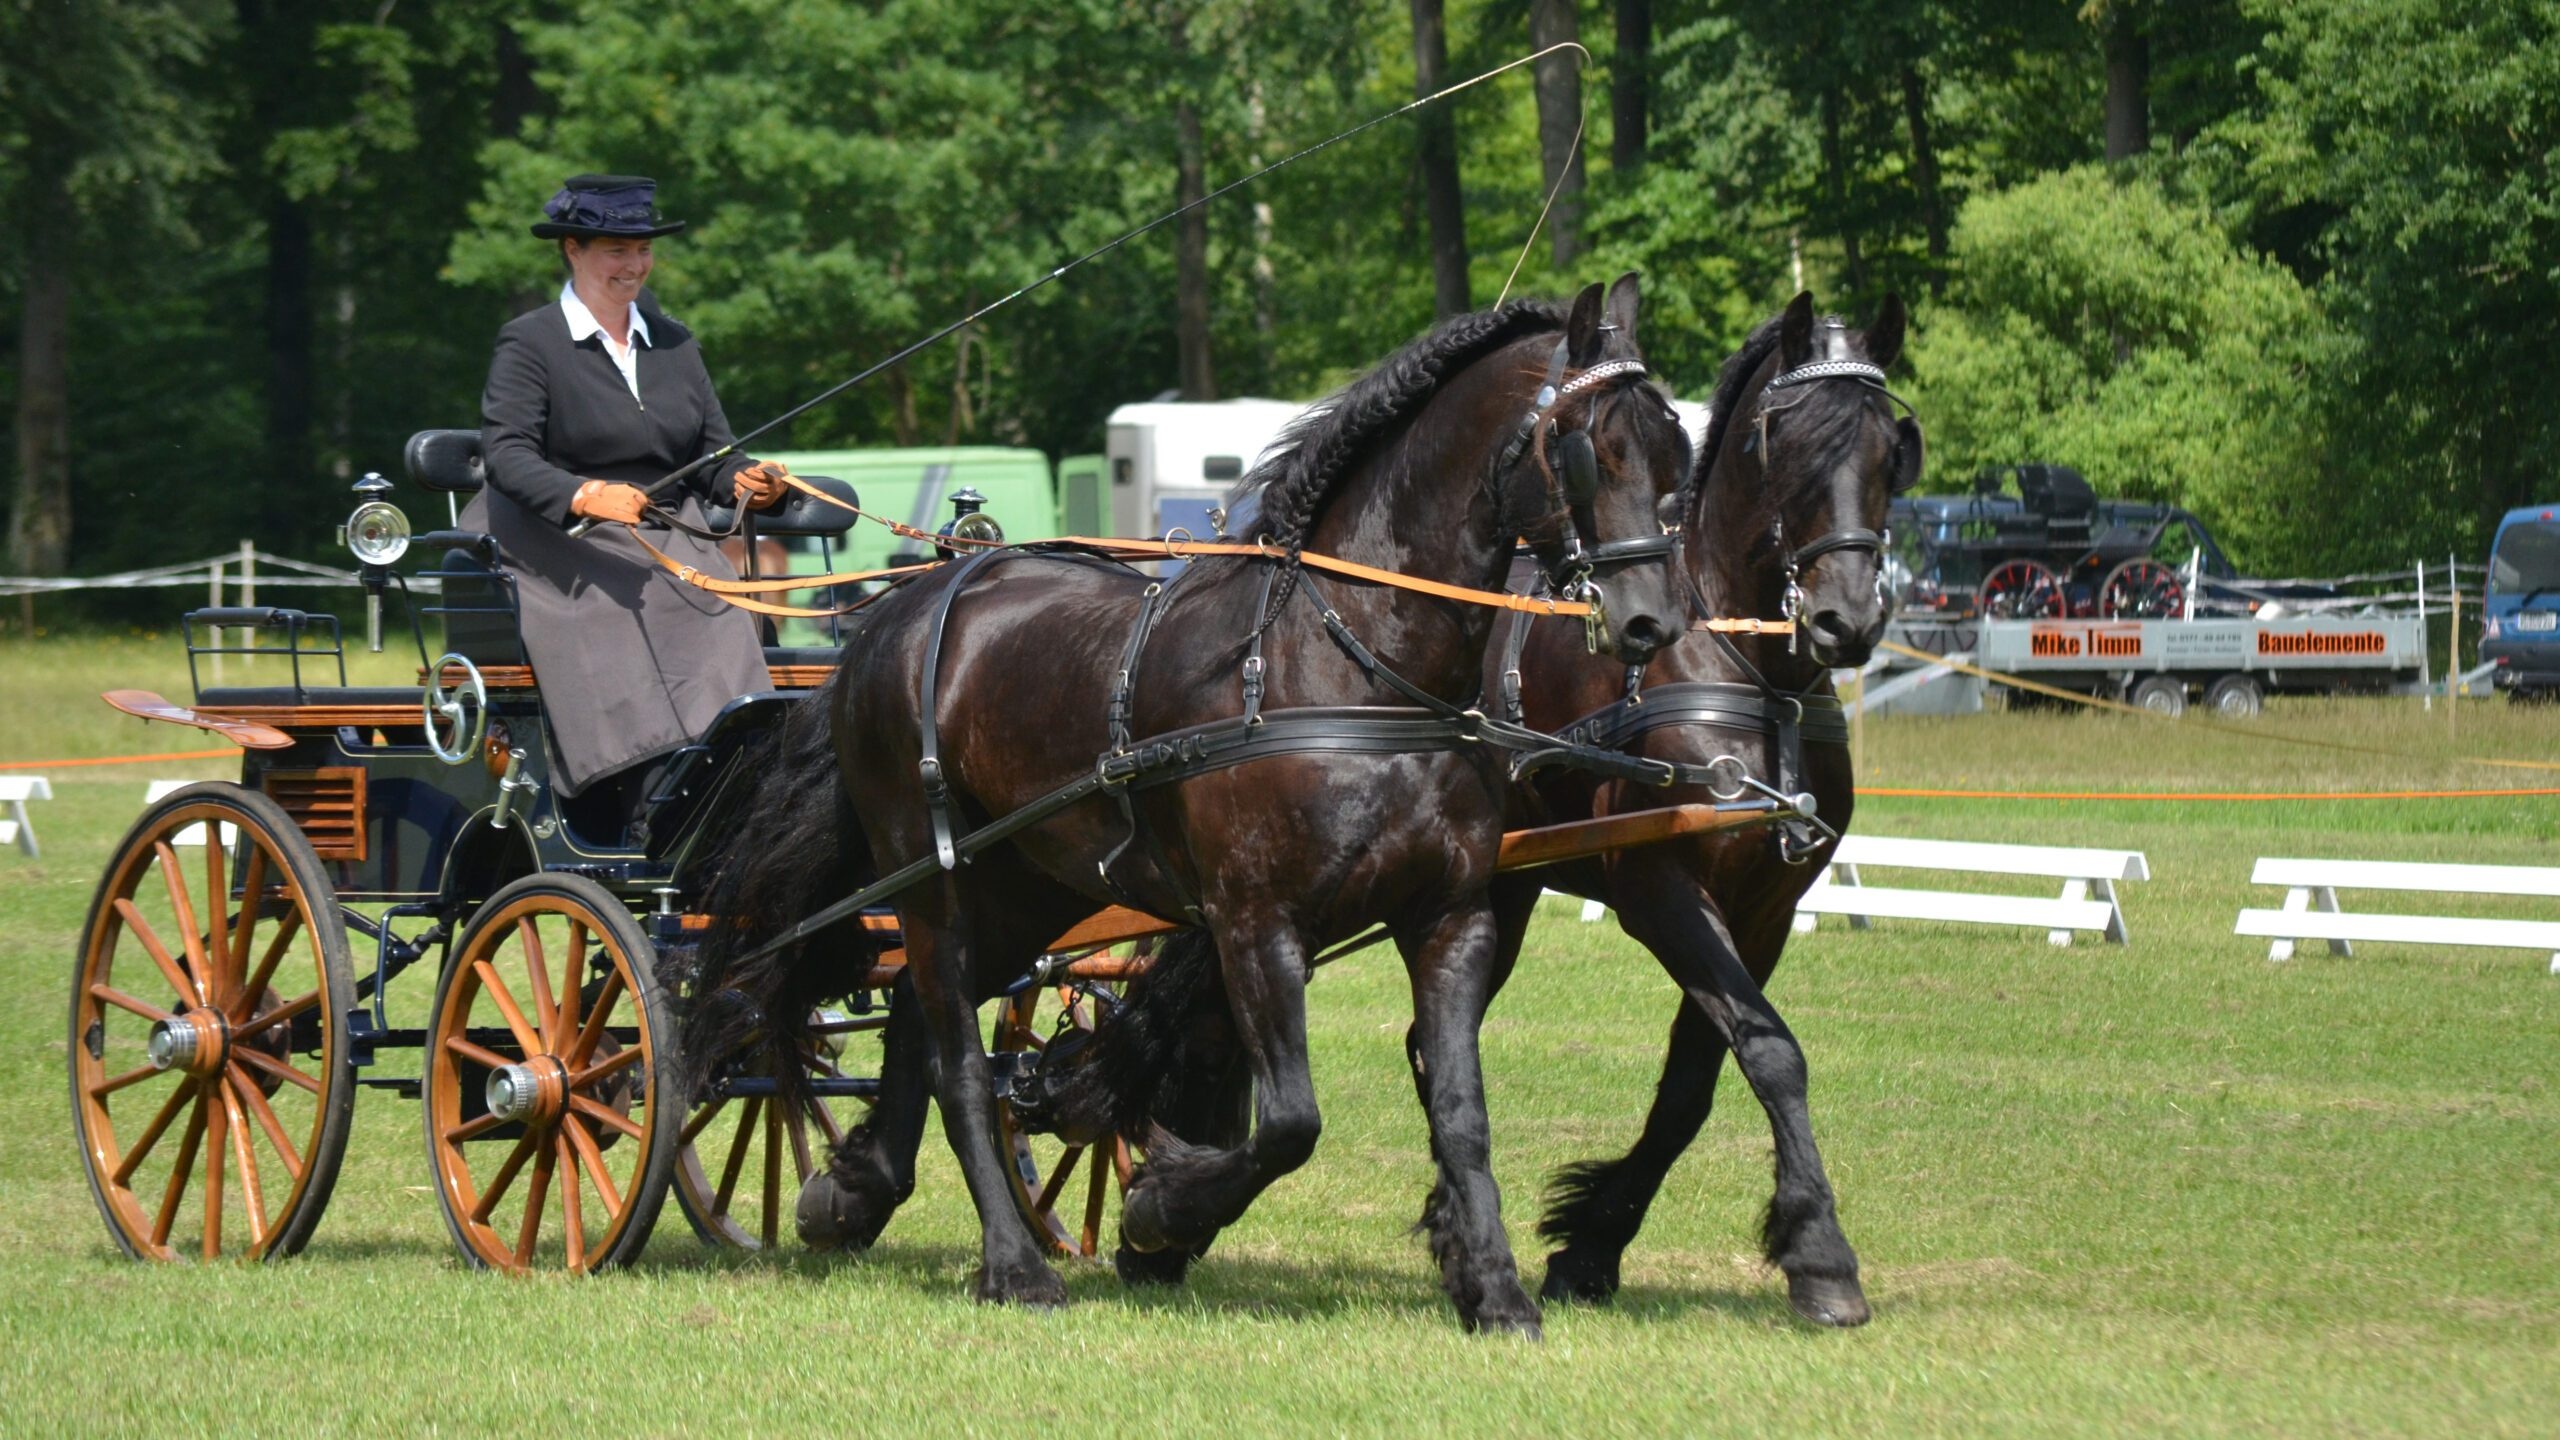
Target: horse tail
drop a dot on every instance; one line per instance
(786, 848)
(1172, 1020)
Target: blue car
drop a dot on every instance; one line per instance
(2520, 615)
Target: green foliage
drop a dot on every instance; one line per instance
(2100, 323)
(296, 224)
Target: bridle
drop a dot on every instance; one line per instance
(1568, 569)
(1854, 537)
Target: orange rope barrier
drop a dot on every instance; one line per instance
(224, 753)
(2201, 795)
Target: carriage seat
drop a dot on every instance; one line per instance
(449, 462)
(240, 697)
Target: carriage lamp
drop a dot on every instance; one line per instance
(969, 520)
(376, 534)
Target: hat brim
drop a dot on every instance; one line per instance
(553, 230)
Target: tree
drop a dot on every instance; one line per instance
(106, 133)
(1436, 152)
(2101, 323)
(1559, 86)
(2410, 144)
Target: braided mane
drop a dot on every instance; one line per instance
(1314, 455)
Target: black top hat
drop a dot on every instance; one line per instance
(589, 206)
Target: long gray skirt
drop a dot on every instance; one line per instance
(632, 661)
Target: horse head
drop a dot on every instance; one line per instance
(1805, 455)
(1587, 480)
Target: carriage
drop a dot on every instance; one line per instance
(2054, 550)
(236, 973)
(235, 989)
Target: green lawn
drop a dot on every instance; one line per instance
(2170, 1188)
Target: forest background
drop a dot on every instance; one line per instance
(2290, 263)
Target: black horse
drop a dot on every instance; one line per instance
(977, 691)
(1802, 456)
(1782, 519)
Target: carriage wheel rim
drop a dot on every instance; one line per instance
(222, 1124)
(561, 1158)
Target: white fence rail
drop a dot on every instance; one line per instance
(2088, 900)
(15, 792)
(2311, 910)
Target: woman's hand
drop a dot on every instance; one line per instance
(605, 500)
(760, 485)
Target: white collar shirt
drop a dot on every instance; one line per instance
(583, 323)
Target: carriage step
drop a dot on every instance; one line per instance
(407, 1088)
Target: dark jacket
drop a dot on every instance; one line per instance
(631, 661)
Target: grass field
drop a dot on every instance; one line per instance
(2166, 1189)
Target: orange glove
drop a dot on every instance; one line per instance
(605, 500)
(760, 485)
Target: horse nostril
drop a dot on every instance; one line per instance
(1830, 625)
(1645, 633)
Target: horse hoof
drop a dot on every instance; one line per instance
(1829, 1300)
(1167, 1266)
(1034, 1286)
(1579, 1280)
(832, 1215)
(1142, 1222)
(1512, 1313)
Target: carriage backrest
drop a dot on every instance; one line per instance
(445, 460)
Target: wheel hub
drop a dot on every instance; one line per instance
(535, 1091)
(197, 1042)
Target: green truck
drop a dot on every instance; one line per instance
(915, 486)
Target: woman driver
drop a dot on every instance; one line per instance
(588, 400)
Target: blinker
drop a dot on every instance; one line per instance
(1581, 468)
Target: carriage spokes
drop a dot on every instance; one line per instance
(210, 1081)
(563, 1096)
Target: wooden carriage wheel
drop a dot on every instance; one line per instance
(760, 1143)
(548, 1149)
(206, 1032)
(1066, 1191)
(2142, 589)
(2021, 590)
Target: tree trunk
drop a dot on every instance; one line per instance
(1835, 169)
(2128, 85)
(289, 368)
(1630, 82)
(1437, 149)
(1191, 260)
(1924, 175)
(40, 512)
(1553, 22)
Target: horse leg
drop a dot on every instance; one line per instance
(1596, 1206)
(1211, 1104)
(1453, 974)
(1011, 1267)
(1186, 1193)
(847, 1201)
(1801, 1235)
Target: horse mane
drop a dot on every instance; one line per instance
(1312, 457)
(1821, 419)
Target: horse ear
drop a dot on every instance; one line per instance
(1884, 335)
(1623, 298)
(1908, 452)
(1795, 332)
(1582, 330)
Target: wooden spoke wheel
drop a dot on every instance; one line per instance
(548, 1046)
(2021, 590)
(2142, 589)
(739, 1151)
(1067, 1191)
(211, 1078)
